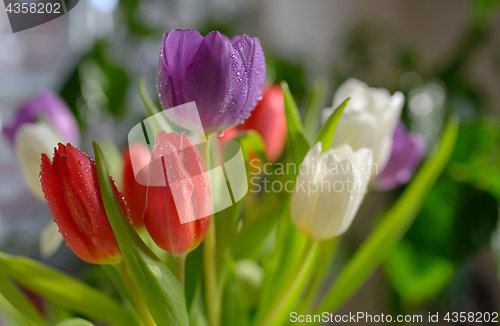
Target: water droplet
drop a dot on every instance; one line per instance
(81, 162)
(220, 133)
(86, 170)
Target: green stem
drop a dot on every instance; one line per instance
(122, 269)
(326, 255)
(210, 273)
(292, 288)
(180, 268)
(212, 297)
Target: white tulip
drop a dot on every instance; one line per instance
(369, 119)
(329, 190)
(31, 140)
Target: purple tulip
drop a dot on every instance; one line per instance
(407, 152)
(51, 108)
(224, 77)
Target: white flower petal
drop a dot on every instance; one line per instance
(326, 199)
(369, 119)
(358, 129)
(333, 202)
(50, 240)
(31, 140)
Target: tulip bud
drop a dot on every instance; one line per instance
(138, 156)
(72, 191)
(329, 190)
(368, 121)
(178, 197)
(407, 152)
(50, 108)
(269, 120)
(223, 77)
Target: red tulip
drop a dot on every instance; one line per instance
(72, 191)
(134, 183)
(178, 198)
(269, 120)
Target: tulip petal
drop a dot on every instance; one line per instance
(362, 170)
(407, 152)
(178, 211)
(52, 190)
(268, 119)
(178, 49)
(223, 77)
(254, 65)
(50, 240)
(79, 176)
(51, 107)
(201, 196)
(334, 201)
(369, 120)
(301, 201)
(31, 140)
(356, 129)
(329, 190)
(136, 157)
(71, 190)
(211, 81)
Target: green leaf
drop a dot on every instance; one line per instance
(113, 275)
(75, 322)
(296, 140)
(115, 159)
(19, 300)
(234, 303)
(248, 241)
(64, 290)
(193, 275)
(281, 264)
(393, 225)
(197, 316)
(287, 297)
(56, 313)
(254, 231)
(417, 276)
(158, 287)
(476, 159)
(326, 133)
(10, 315)
(313, 108)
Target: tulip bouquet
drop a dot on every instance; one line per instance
(179, 257)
